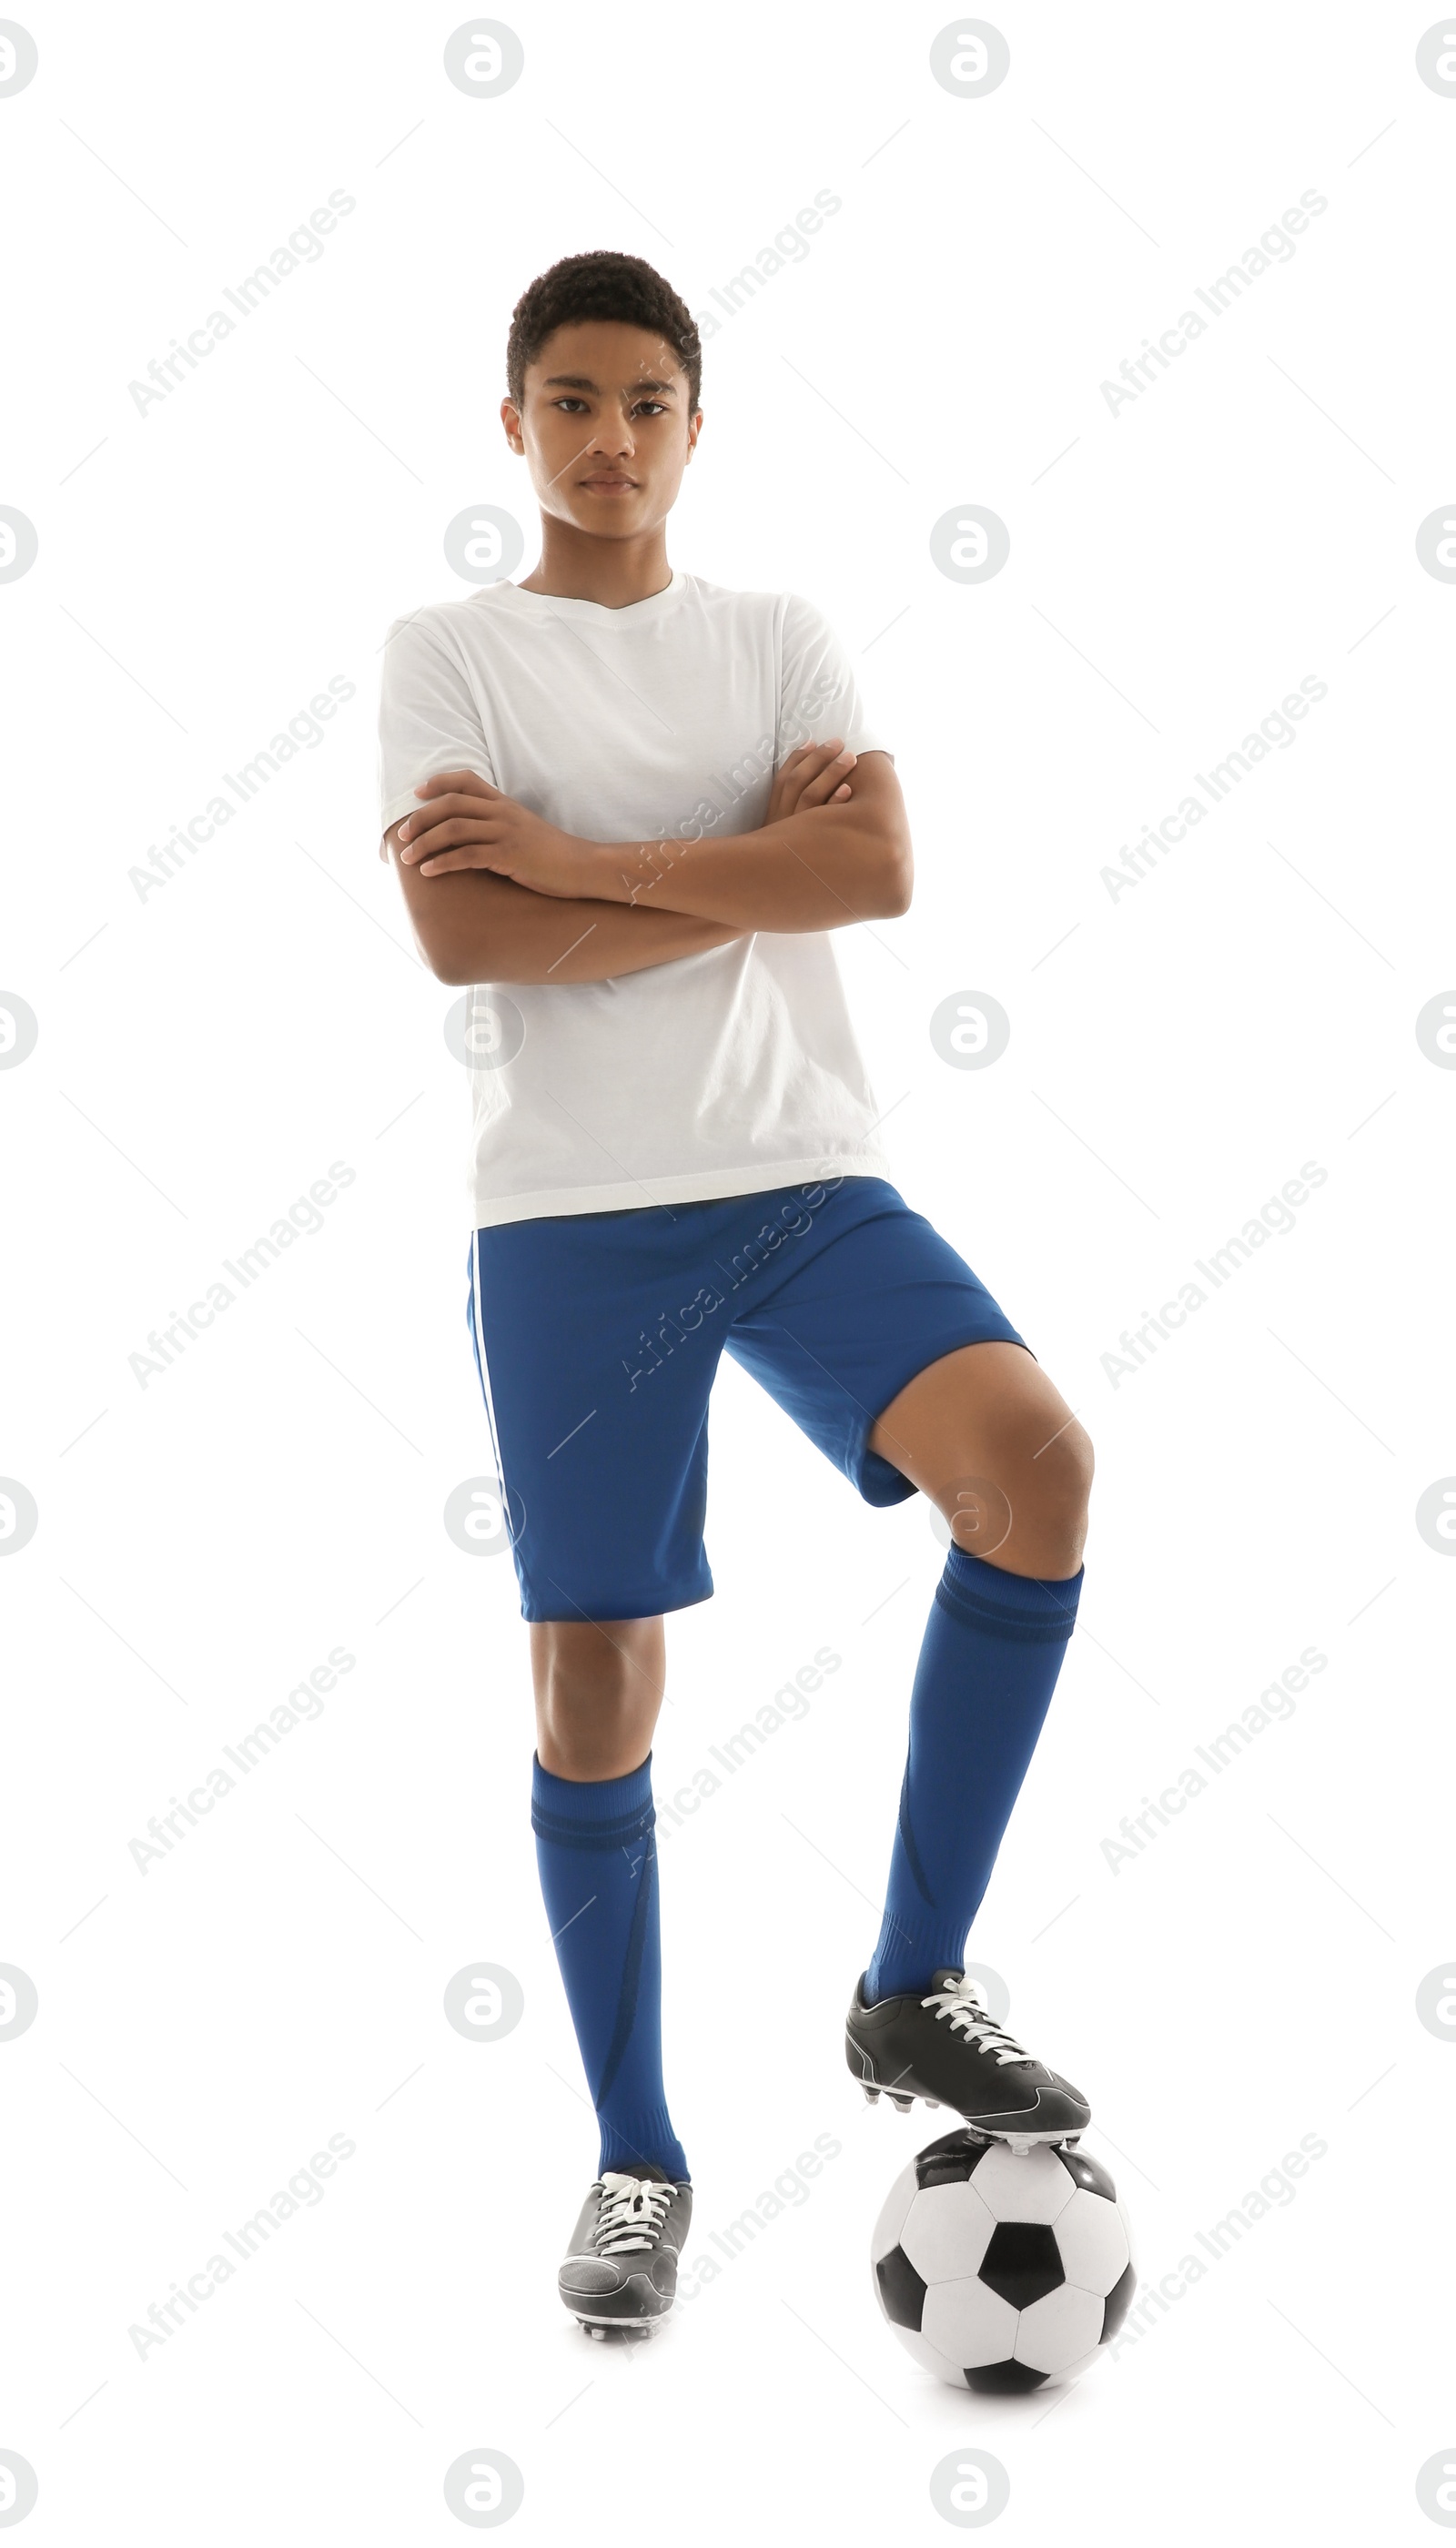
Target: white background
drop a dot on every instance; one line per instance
(205, 1054)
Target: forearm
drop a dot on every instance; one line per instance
(820, 869)
(474, 926)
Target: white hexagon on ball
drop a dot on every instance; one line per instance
(1058, 2330)
(947, 2232)
(967, 2324)
(1092, 2236)
(1031, 2185)
(921, 2350)
(892, 2215)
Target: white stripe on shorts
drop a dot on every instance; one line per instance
(480, 1346)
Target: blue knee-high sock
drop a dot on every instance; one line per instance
(987, 1668)
(596, 1850)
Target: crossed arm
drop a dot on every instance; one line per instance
(497, 894)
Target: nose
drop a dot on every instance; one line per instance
(613, 439)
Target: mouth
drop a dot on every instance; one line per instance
(612, 483)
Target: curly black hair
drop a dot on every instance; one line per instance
(603, 284)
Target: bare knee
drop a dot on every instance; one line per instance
(1028, 1508)
(1059, 1493)
(598, 1688)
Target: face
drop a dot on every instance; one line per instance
(605, 428)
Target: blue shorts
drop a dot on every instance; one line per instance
(596, 1336)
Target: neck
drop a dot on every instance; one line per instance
(576, 567)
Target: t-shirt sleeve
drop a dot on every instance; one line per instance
(428, 719)
(818, 694)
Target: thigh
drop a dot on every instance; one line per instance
(598, 1418)
(858, 1295)
(992, 1404)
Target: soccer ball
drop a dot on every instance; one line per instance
(1002, 2272)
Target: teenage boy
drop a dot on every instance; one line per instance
(632, 806)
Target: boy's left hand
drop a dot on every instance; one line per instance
(464, 822)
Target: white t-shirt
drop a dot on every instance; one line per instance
(727, 1072)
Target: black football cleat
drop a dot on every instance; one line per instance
(620, 2271)
(944, 2046)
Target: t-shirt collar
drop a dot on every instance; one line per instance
(557, 605)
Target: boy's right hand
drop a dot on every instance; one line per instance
(815, 775)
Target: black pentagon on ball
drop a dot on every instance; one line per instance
(950, 2160)
(1003, 2379)
(901, 2291)
(1118, 2303)
(1023, 2262)
(1089, 2174)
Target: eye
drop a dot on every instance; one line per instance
(658, 406)
(568, 402)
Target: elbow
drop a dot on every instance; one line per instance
(447, 963)
(899, 883)
(441, 948)
(442, 960)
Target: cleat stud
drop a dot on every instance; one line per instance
(932, 2101)
(902, 2105)
(871, 2095)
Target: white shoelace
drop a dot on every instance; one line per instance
(962, 2003)
(631, 2212)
